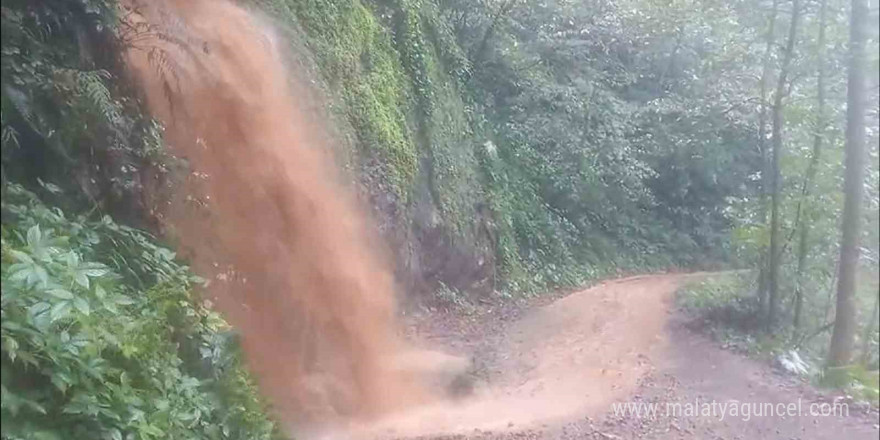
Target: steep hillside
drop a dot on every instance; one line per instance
(502, 154)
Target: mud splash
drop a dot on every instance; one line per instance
(555, 365)
(289, 251)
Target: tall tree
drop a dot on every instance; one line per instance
(497, 17)
(840, 352)
(803, 220)
(766, 71)
(775, 184)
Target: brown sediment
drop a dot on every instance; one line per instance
(306, 287)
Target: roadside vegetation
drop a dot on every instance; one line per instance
(725, 307)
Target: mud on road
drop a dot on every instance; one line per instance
(553, 369)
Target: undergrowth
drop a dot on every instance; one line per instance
(103, 337)
(726, 307)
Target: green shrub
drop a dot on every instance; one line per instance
(716, 292)
(102, 337)
(729, 309)
(856, 380)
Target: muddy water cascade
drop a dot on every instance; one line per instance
(290, 254)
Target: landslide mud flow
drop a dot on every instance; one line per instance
(288, 250)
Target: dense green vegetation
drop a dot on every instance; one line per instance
(557, 153)
(724, 306)
(103, 337)
(103, 333)
(506, 146)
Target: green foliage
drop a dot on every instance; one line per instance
(102, 337)
(715, 292)
(724, 302)
(855, 379)
(66, 116)
(359, 63)
(725, 306)
(593, 165)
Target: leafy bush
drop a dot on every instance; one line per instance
(67, 115)
(856, 380)
(717, 293)
(102, 337)
(726, 305)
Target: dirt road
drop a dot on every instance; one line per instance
(557, 370)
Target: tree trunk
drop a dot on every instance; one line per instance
(503, 10)
(829, 300)
(818, 138)
(762, 149)
(775, 185)
(840, 352)
(801, 263)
